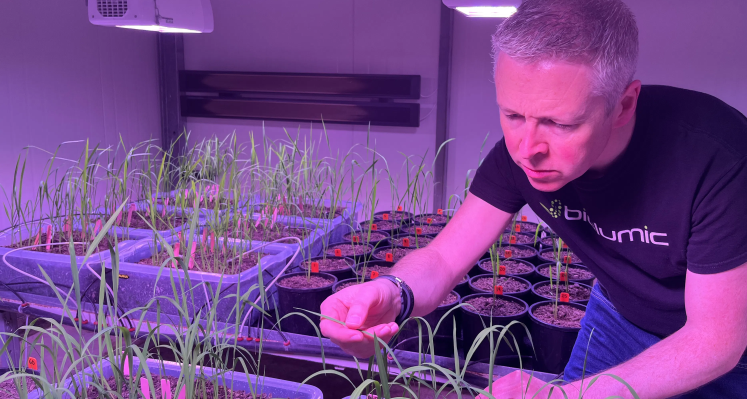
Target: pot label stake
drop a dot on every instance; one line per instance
(373, 227)
(176, 253)
(498, 290)
(507, 253)
(523, 218)
(389, 257)
(385, 216)
(567, 259)
(564, 297)
(563, 276)
(192, 255)
(356, 239)
(374, 274)
(418, 230)
(33, 364)
(49, 237)
(406, 242)
(144, 387)
(399, 208)
(429, 220)
(512, 239)
(517, 228)
(315, 267)
(440, 212)
(338, 252)
(501, 270)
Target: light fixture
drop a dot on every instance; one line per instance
(484, 8)
(167, 16)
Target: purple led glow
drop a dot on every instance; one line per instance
(158, 28)
(487, 12)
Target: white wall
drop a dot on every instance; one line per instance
(331, 36)
(63, 79)
(686, 43)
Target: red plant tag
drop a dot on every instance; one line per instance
(399, 208)
(564, 297)
(512, 240)
(563, 276)
(315, 267)
(405, 242)
(374, 274)
(565, 246)
(389, 257)
(518, 228)
(356, 238)
(567, 259)
(373, 227)
(418, 230)
(385, 216)
(523, 218)
(33, 364)
(429, 220)
(498, 290)
(501, 270)
(338, 252)
(507, 253)
(440, 212)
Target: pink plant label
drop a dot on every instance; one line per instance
(564, 297)
(418, 230)
(129, 214)
(204, 236)
(507, 253)
(176, 253)
(192, 255)
(406, 242)
(338, 252)
(315, 267)
(385, 216)
(512, 240)
(498, 290)
(523, 218)
(165, 389)
(126, 369)
(399, 208)
(145, 388)
(147, 211)
(212, 241)
(440, 212)
(501, 270)
(374, 274)
(38, 237)
(97, 227)
(182, 393)
(517, 228)
(373, 227)
(33, 364)
(49, 237)
(356, 239)
(166, 202)
(429, 220)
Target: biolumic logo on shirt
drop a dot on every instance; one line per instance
(556, 210)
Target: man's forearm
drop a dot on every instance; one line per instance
(429, 277)
(680, 363)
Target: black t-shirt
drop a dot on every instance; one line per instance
(675, 200)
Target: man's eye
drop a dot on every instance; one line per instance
(567, 127)
(513, 116)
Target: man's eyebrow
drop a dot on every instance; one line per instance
(571, 120)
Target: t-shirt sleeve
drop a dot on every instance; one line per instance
(718, 238)
(494, 182)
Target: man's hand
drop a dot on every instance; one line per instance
(520, 384)
(371, 307)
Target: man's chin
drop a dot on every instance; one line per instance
(547, 186)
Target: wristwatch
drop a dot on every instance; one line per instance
(408, 299)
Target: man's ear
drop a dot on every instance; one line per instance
(625, 109)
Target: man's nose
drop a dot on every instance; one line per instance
(532, 141)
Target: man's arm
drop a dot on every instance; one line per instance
(430, 272)
(708, 346)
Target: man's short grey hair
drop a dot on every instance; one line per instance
(599, 33)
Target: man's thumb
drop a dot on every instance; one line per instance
(357, 315)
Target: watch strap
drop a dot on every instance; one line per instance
(408, 298)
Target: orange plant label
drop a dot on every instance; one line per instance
(356, 239)
(518, 228)
(512, 240)
(373, 227)
(418, 230)
(563, 276)
(567, 259)
(315, 267)
(399, 208)
(405, 242)
(498, 290)
(338, 252)
(389, 257)
(385, 216)
(507, 253)
(440, 212)
(523, 218)
(429, 220)
(374, 274)
(501, 270)
(33, 364)
(564, 297)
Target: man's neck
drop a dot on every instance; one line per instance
(615, 149)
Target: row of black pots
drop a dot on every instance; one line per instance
(396, 227)
(529, 294)
(534, 274)
(382, 238)
(434, 219)
(530, 254)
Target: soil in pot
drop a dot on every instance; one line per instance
(385, 225)
(8, 388)
(61, 237)
(512, 266)
(574, 273)
(435, 219)
(427, 229)
(381, 269)
(576, 292)
(331, 263)
(162, 223)
(521, 238)
(345, 284)
(204, 389)
(298, 291)
(275, 232)
(509, 284)
(348, 249)
(547, 255)
(517, 252)
(301, 282)
(397, 216)
(488, 306)
(414, 241)
(450, 299)
(223, 203)
(397, 253)
(527, 227)
(567, 316)
(224, 262)
(363, 236)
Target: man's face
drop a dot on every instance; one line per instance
(554, 128)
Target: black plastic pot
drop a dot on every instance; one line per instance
(357, 258)
(393, 229)
(366, 265)
(339, 283)
(412, 229)
(462, 287)
(442, 346)
(477, 270)
(534, 298)
(410, 329)
(541, 260)
(414, 243)
(533, 258)
(292, 299)
(364, 234)
(340, 274)
(524, 295)
(540, 277)
(473, 323)
(380, 253)
(552, 344)
(527, 236)
(406, 216)
(423, 219)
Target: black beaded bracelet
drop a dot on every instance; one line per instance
(408, 298)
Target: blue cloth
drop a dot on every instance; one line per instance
(616, 340)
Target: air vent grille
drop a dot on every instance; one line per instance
(112, 8)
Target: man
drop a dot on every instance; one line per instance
(646, 184)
